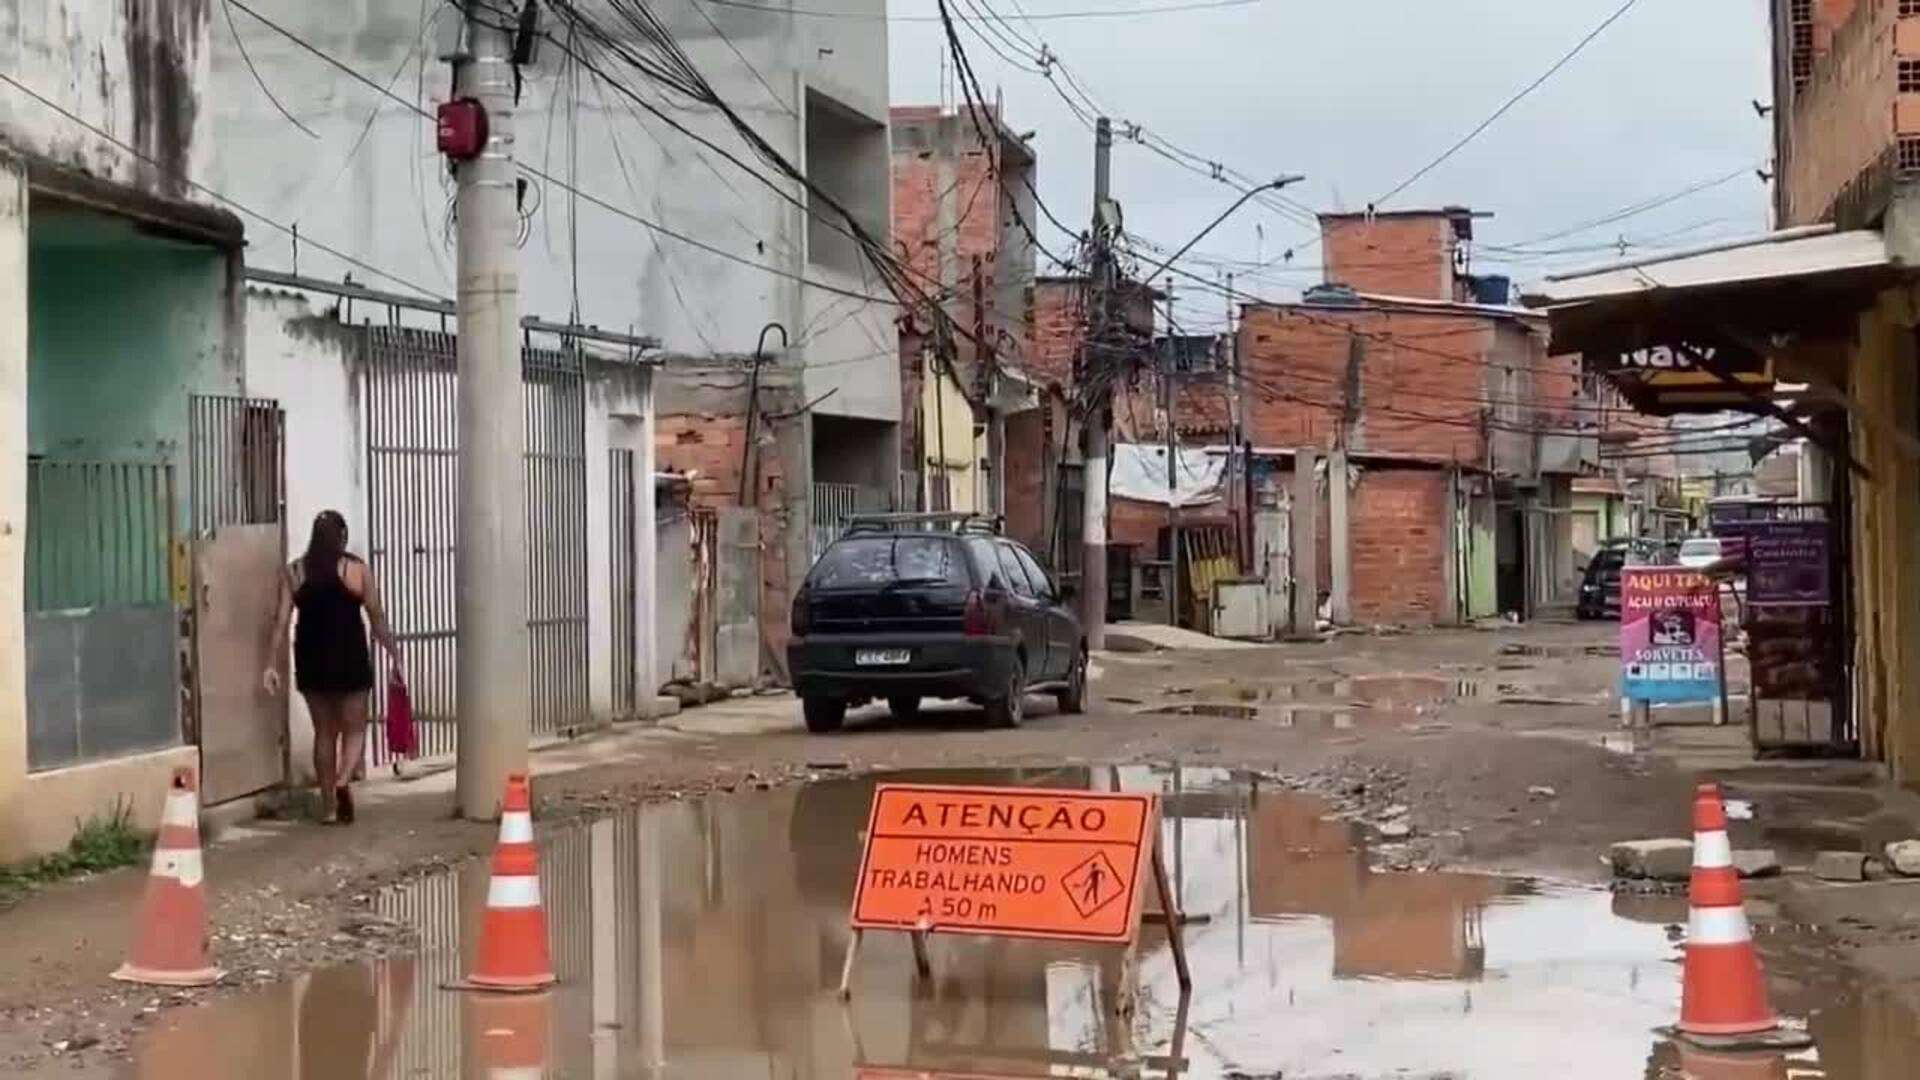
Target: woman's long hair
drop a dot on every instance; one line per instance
(325, 547)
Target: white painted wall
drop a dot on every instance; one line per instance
(305, 359)
(147, 93)
(13, 504)
(384, 197)
(301, 359)
(619, 404)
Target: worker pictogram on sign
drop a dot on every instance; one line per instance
(1093, 885)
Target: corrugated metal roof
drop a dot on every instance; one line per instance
(1781, 256)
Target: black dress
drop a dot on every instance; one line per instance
(330, 654)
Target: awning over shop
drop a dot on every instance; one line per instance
(1791, 254)
(1706, 330)
(1765, 327)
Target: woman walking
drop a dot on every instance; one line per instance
(333, 668)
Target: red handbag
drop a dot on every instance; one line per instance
(402, 740)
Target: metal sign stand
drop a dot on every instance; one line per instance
(1169, 912)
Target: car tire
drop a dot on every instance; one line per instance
(1009, 708)
(1073, 699)
(905, 709)
(824, 715)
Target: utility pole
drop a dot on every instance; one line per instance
(1239, 456)
(1093, 370)
(490, 562)
(987, 384)
(1170, 403)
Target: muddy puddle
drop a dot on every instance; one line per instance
(704, 940)
(1332, 704)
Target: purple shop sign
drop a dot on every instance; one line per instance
(1787, 562)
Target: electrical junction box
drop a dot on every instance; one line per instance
(462, 129)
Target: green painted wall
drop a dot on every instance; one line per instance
(1483, 597)
(121, 328)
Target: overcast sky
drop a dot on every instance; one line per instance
(1358, 94)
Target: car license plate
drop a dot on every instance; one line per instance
(882, 657)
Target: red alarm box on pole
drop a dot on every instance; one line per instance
(462, 129)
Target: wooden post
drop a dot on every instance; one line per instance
(1176, 934)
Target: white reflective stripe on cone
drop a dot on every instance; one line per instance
(181, 864)
(513, 892)
(1718, 926)
(1711, 850)
(525, 1072)
(516, 827)
(180, 810)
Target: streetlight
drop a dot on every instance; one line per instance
(1271, 185)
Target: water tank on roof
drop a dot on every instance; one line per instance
(1492, 289)
(1331, 295)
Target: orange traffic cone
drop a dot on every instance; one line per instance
(1723, 997)
(506, 1035)
(170, 940)
(512, 955)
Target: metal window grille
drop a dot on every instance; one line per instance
(833, 504)
(99, 535)
(1909, 8)
(1909, 150)
(1800, 23)
(1910, 76)
(239, 458)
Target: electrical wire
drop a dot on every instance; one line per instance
(590, 198)
(1508, 105)
(1631, 210)
(226, 7)
(218, 196)
(1114, 13)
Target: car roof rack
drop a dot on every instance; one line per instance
(959, 521)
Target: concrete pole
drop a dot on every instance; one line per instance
(13, 509)
(1093, 504)
(1340, 537)
(491, 560)
(1306, 537)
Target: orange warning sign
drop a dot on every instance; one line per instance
(1016, 862)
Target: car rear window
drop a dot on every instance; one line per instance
(885, 560)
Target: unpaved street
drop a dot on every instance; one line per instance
(1470, 752)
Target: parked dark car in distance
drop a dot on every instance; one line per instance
(906, 607)
(1600, 585)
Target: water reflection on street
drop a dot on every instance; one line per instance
(704, 940)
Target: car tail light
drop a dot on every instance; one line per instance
(979, 620)
(802, 616)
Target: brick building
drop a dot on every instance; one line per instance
(1439, 408)
(963, 211)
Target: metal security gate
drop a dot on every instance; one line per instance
(626, 639)
(237, 496)
(411, 420)
(410, 402)
(556, 404)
